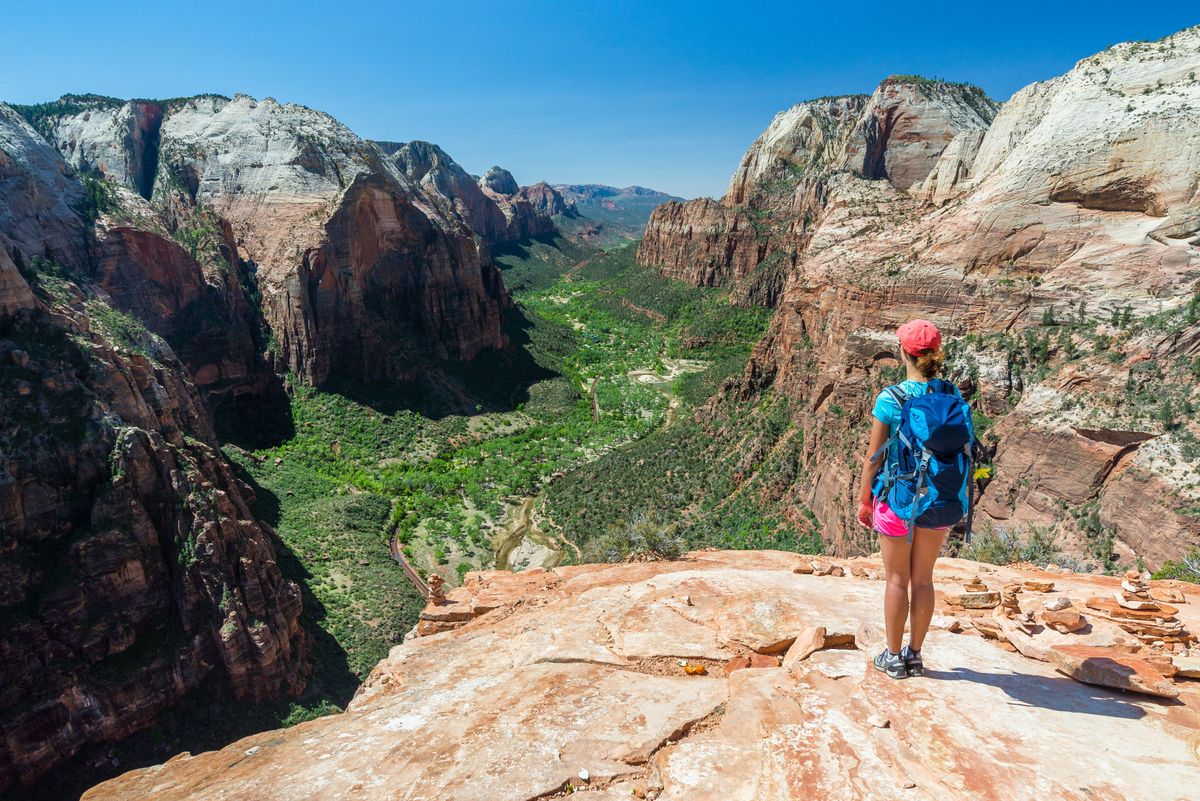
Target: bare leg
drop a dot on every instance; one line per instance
(927, 544)
(896, 559)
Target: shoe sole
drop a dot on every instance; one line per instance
(916, 672)
(889, 674)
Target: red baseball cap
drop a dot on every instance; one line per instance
(918, 336)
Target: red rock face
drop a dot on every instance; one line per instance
(701, 242)
(131, 568)
(1079, 195)
(778, 194)
(385, 291)
(208, 322)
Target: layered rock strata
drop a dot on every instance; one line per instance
(1056, 245)
(132, 569)
(724, 675)
(361, 272)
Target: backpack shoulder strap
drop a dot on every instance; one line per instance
(897, 394)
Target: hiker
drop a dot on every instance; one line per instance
(914, 488)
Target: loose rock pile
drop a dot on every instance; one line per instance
(1134, 609)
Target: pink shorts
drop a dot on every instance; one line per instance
(889, 524)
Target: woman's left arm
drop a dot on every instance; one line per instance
(879, 435)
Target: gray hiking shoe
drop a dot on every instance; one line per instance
(912, 661)
(891, 664)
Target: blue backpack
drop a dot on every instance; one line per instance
(930, 482)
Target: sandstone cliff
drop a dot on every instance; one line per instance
(132, 567)
(494, 207)
(729, 675)
(779, 190)
(528, 209)
(1057, 246)
(360, 271)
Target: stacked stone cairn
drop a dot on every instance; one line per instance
(1134, 610)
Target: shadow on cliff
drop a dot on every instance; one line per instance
(1057, 693)
(495, 381)
(209, 717)
(332, 679)
(256, 421)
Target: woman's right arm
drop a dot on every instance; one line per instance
(870, 467)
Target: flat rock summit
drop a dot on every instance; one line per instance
(734, 675)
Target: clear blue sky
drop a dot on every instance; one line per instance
(663, 94)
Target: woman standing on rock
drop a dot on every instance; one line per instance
(914, 488)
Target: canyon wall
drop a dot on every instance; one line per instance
(779, 190)
(1056, 244)
(360, 269)
(133, 569)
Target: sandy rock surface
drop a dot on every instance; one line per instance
(577, 671)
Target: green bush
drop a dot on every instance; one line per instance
(1185, 569)
(1000, 546)
(643, 535)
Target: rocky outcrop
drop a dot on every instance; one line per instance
(282, 181)
(107, 137)
(545, 199)
(780, 189)
(705, 242)
(442, 178)
(495, 208)
(728, 675)
(1038, 248)
(132, 567)
(499, 181)
(528, 210)
(387, 291)
(908, 123)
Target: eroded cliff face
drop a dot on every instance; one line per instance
(527, 209)
(132, 567)
(737, 675)
(779, 192)
(264, 190)
(1058, 250)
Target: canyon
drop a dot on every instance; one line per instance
(1054, 239)
(162, 261)
(249, 358)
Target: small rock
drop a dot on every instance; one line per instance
(946, 623)
(878, 721)
(1064, 621)
(20, 358)
(1163, 663)
(821, 569)
(1186, 667)
(1056, 603)
(278, 460)
(974, 600)
(1036, 585)
(583, 774)
(253, 751)
(1110, 668)
(737, 663)
(908, 785)
(1132, 601)
(804, 568)
(1168, 595)
(805, 645)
